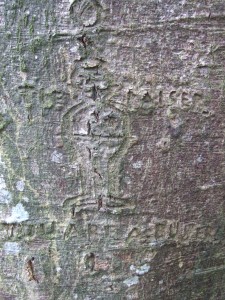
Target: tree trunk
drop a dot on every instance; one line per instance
(112, 149)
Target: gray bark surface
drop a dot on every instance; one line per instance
(112, 173)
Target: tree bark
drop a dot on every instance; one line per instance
(112, 149)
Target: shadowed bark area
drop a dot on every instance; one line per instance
(112, 173)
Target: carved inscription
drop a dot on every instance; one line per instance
(146, 101)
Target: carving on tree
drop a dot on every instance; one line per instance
(111, 149)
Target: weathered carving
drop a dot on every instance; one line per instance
(111, 125)
(86, 12)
